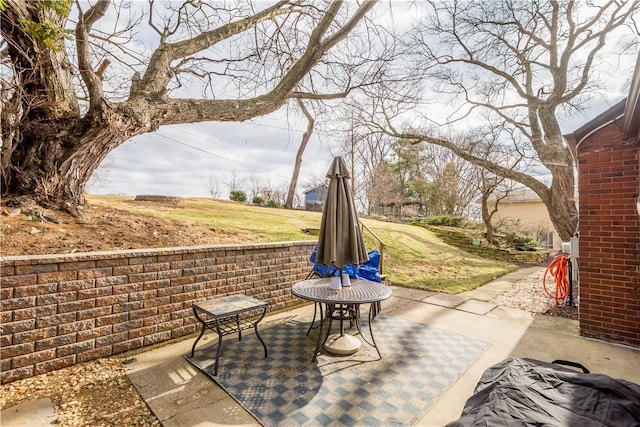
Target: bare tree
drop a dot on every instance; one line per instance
(233, 181)
(60, 118)
(291, 192)
(212, 186)
(524, 62)
(255, 185)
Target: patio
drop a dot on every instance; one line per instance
(180, 395)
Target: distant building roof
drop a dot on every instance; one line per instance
(317, 187)
(520, 196)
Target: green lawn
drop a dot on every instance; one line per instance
(413, 256)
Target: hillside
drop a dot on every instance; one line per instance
(413, 255)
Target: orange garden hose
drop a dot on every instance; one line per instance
(559, 269)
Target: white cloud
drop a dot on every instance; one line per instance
(177, 160)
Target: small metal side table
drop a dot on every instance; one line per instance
(228, 315)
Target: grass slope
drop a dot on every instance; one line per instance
(413, 256)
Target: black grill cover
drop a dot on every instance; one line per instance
(526, 392)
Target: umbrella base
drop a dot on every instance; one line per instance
(342, 345)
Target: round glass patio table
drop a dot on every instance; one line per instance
(343, 304)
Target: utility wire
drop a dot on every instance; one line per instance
(210, 153)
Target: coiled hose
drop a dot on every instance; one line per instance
(559, 270)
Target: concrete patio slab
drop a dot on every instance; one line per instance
(500, 285)
(445, 300)
(32, 413)
(476, 307)
(180, 396)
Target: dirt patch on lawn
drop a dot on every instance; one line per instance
(109, 229)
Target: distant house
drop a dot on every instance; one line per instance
(527, 208)
(314, 198)
(608, 153)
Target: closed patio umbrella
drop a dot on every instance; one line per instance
(340, 241)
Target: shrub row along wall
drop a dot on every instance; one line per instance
(59, 310)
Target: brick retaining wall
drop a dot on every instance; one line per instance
(59, 310)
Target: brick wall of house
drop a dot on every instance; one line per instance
(59, 310)
(609, 183)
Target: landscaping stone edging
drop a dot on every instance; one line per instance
(462, 241)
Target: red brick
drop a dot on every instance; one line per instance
(57, 276)
(142, 295)
(127, 326)
(76, 306)
(109, 340)
(157, 267)
(55, 364)
(36, 268)
(96, 353)
(16, 374)
(94, 293)
(157, 338)
(95, 273)
(32, 358)
(128, 345)
(83, 325)
(77, 265)
(75, 348)
(184, 330)
(94, 333)
(140, 314)
(35, 290)
(128, 269)
(142, 332)
(17, 303)
(116, 262)
(34, 335)
(55, 320)
(112, 300)
(22, 280)
(17, 350)
(17, 327)
(94, 313)
(76, 285)
(157, 302)
(112, 280)
(7, 270)
(110, 320)
(128, 307)
(156, 320)
(128, 288)
(57, 298)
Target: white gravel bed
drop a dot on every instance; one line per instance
(527, 294)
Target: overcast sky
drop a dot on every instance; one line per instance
(178, 160)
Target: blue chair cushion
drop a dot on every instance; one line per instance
(369, 270)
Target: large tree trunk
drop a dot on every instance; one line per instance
(54, 167)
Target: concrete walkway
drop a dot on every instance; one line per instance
(180, 395)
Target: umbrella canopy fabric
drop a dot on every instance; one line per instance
(340, 240)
